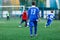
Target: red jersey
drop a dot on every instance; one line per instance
(24, 15)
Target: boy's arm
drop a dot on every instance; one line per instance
(20, 15)
(38, 15)
(28, 13)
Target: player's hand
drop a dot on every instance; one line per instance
(37, 20)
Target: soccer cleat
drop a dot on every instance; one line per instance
(35, 35)
(45, 26)
(19, 26)
(31, 36)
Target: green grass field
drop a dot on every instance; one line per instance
(9, 30)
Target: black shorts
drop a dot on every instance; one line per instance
(7, 17)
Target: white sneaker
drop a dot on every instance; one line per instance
(19, 26)
(35, 34)
(45, 26)
(31, 35)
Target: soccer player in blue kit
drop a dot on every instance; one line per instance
(33, 15)
(50, 18)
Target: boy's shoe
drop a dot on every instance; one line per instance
(35, 34)
(31, 36)
(45, 26)
(19, 26)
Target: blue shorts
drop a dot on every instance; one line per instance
(33, 23)
(48, 22)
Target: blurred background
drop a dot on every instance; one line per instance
(16, 7)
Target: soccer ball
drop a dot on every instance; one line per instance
(28, 23)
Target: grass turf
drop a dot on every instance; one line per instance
(9, 30)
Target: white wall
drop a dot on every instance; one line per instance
(4, 13)
(46, 13)
(16, 12)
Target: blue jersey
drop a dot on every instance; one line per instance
(33, 13)
(50, 16)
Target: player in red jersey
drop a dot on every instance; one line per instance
(24, 18)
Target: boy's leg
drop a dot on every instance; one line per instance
(31, 28)
(21, 23)
(48, 23)
(35, 28)
(7, 17)
(25, 23)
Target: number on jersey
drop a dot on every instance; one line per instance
(33, 11)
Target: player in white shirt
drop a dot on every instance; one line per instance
(50, 18)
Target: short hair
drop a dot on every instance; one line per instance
(33, 3)
(51, 11)
(24, 10)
